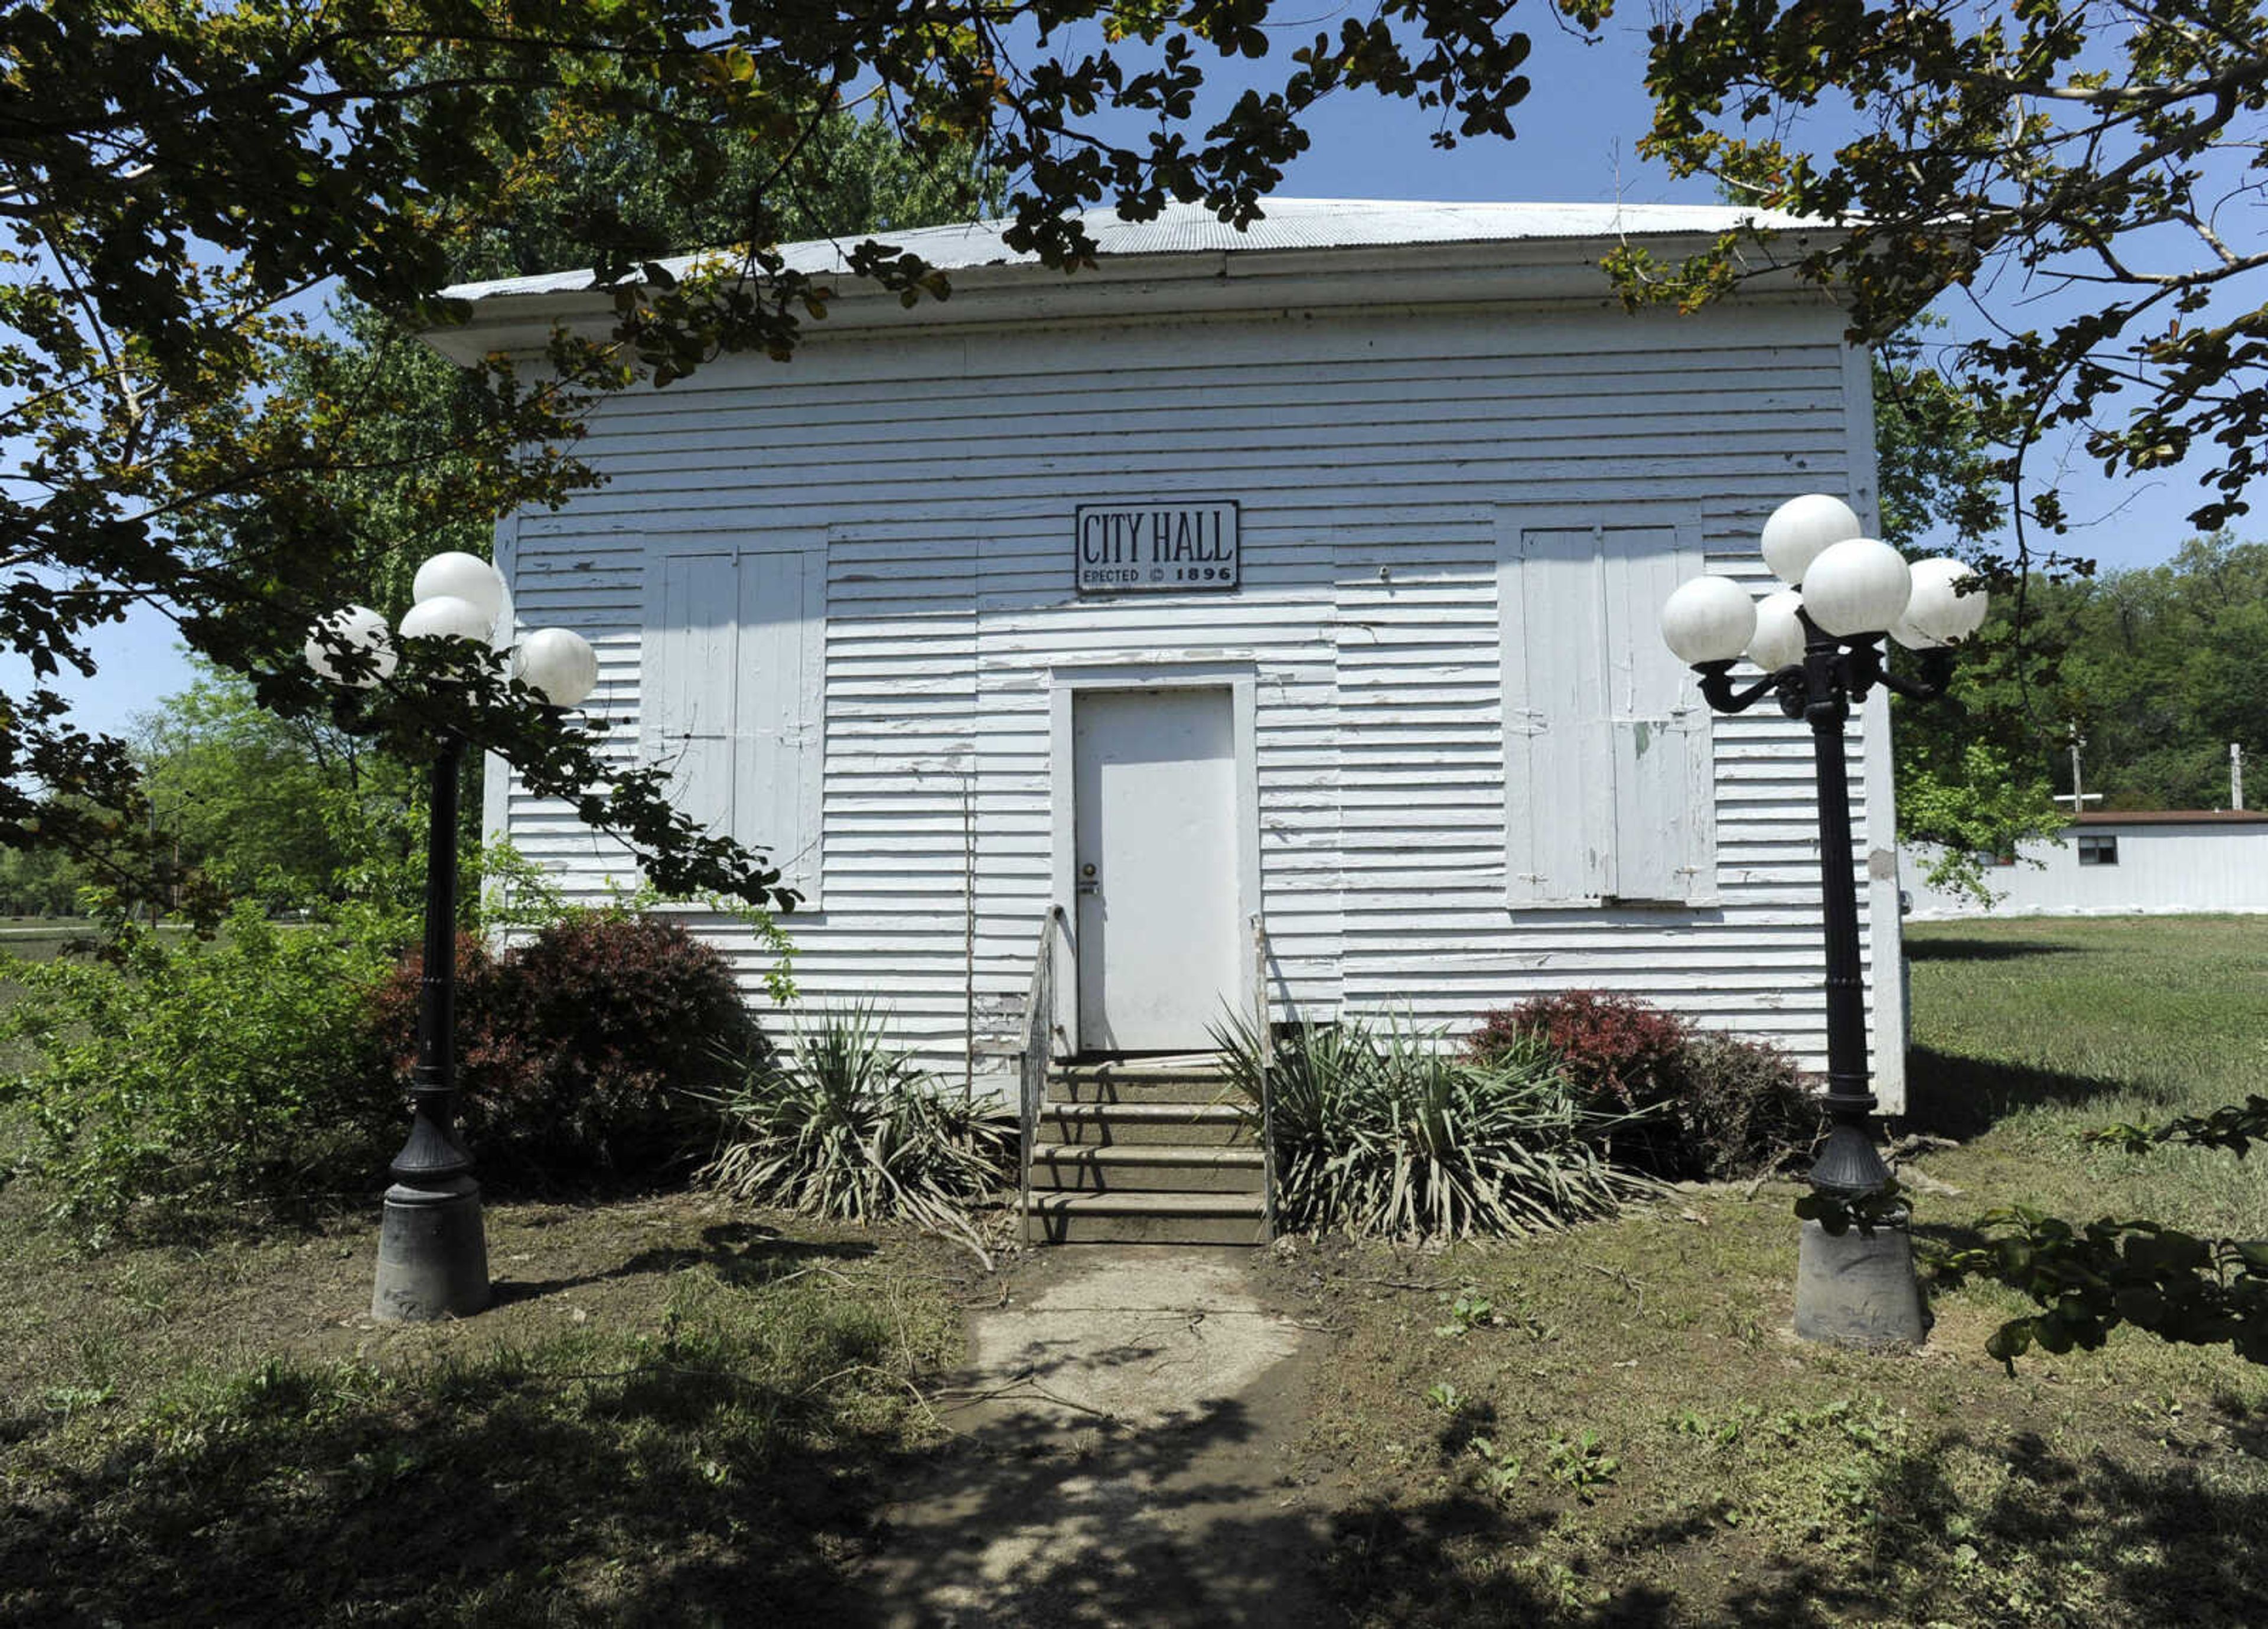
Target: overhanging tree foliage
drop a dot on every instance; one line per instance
(180, 183)
(2082, 170)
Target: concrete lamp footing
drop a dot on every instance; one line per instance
(432, 1254)
(1858, 1288)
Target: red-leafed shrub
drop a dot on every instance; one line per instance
(1621, 1052)
(1708, 1105)
(583, 1051)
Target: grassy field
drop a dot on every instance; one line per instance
(686, 1412)
(1629, 1434)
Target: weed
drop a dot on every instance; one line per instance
(69, 1400)
(1470, 1310)
(1443, 1395)
(1581, 1463)
(1499, 1472)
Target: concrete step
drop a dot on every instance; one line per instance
(1145, 1218)
(1145, 1125)
(1067, 1169)
(1128, 1083)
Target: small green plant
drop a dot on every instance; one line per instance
(1717, 1432)
(1470, 1310)
(1499, 1472)
(842, 1125)
(1581, 1463)
(1443, 1395)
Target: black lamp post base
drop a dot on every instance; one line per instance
(432, 1254)
(1858, 1288)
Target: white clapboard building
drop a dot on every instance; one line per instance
(1308, 574)
(2116, 862)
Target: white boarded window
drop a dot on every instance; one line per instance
(1609, 794)
(731, 694)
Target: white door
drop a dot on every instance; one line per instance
(1155, 861)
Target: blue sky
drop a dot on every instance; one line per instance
(1577, 132)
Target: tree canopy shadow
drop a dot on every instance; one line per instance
(2159, 1545)
(1935, 949)
(485, 1493)
(1961, 1096)
(1023, 1523)
(741, 1254)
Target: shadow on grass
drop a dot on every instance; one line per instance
(742, 1254)
(1962, 1097)
(487, 1493)
(1935, 949)
(2094, 1536)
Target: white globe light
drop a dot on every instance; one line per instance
(445, 616)
(1708, 620)
(1779, 638)
(1799, 528)
(1857, 586)
(558, 664)
(460, 576)
(357, 628)
(1939, 613)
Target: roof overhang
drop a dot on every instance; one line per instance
(1387, 256)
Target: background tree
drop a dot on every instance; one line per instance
(289, 811)
(1972, 778)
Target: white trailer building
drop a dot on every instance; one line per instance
(2118, 863)
(1308, 575)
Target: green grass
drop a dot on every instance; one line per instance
(1634, 1435)
(2030, 1032)
(688, 1411)
(680, 1409)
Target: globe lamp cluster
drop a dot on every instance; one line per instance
(1853, 587)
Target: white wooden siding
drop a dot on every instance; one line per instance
(1371, 456)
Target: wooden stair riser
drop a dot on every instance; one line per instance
(1110, 1125)
(1167, 1218)
(1147, 1230)
(1089, 1169)
(1192, 1089)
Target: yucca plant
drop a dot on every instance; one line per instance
(1392, 1132)
(840, 1124)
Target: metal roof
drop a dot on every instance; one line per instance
(1290, 224)
(2172, 817)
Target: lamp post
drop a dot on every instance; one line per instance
(432, 1256)
(1818, 644)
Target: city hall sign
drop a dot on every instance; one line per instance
(1155, 547)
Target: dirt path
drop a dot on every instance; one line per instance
(1126, 1418)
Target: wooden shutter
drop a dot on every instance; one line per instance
(1558, 769)
(733, 699)
(1608, 793)
(1665, 803)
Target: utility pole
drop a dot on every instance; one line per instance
(2236, 774)
(2078, 798)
